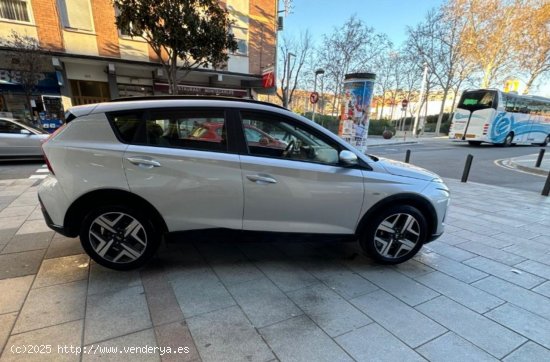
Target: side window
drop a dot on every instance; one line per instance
(199, 130)
(272, 137)
(127, 126)
(8, 127)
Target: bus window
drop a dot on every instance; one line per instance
(510, 104)
(475, 100)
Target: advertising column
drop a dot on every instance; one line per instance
(355, 110)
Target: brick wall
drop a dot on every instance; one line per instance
(261, 34)
(105, 28)
(48, 24)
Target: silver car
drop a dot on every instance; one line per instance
(19, 140)
(123, 175)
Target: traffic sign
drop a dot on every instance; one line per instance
(404, 103)
(314, 97)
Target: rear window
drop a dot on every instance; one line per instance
(127, 126)
(478, 100)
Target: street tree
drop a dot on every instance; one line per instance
(28, 62)
(184, 34)
(294, 54)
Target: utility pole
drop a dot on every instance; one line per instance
(317, 72)
(421, 97)
(288, 78)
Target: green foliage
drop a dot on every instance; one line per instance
(197, 32)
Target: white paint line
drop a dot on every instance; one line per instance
(38, 176)
(42, 170)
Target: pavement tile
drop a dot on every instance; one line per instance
(388, 311)
(113, 314)
(452, 348)
(6, 234)
(471, 326)
(28, 242)
(36, 214)
(162, 302)
(543, 289)
(287, 276)
(491, 253)
(399, 285)
(23, 211)
(13, 292)
(544, 239)
(63, 246)
(460, 292)
(33, 226)
(529, 249)
(62, 270)
(20, 264)
(263, 302)
(450, 267)
(175, 336)
(339, 278)
(58, 337)
(226, 335)
(529, 352)
(413, 268)
(450, 251)
(504, 271)
(201, 292)
(519, 296)
(373, 343)
(299, 339)
(536, 268)
(13, 222)
(6, 323)
(328, 310)
(521, 321)
(104, 351)
(52, 305)
(103, 280)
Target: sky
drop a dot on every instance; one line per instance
(387, 16)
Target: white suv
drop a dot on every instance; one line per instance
(126, 173)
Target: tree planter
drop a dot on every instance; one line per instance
(387, 134)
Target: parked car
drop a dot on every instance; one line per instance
(19, 140)
(170, 182)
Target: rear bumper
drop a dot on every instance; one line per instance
(57, 228)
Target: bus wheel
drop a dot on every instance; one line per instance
(508, 140)
(474, 143)
(546, 141)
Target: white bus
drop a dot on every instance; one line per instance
(492, 116)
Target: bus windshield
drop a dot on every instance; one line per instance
(475, 100)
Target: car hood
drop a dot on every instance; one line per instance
(406, 170)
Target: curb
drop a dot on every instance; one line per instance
(538, 171)
(393, 144)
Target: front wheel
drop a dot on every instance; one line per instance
(395, 235)
(119, 237)
(546, 141)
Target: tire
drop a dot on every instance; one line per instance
(379, 239)
(508, 140)
(546, 141)
(119, 237)
(474, 143)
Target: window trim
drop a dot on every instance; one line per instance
(147, 113)
(30, 13)
(64, 18)
(246, 152)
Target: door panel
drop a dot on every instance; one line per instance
(305, 197)
(191, 189)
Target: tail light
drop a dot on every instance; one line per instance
(48, 164)
(485, 128)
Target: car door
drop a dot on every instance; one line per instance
(302, 188)
(194, 183)
(16, 141)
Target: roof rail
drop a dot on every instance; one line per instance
(197, 97)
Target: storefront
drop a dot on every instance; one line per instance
(162, 88)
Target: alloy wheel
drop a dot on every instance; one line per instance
(118, 237)
(397, 235)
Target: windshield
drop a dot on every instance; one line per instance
(475, 100)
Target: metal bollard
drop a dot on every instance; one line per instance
(539, 159)
(467, 167)
(408, 156)
(546, 188)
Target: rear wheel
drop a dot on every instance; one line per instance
(395, 235)
(508, 140)
(119, 237)
(474, 143)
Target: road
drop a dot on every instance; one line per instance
(447, 158)
(442, 156)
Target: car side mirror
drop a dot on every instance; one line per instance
(348, 157)
(25, 131)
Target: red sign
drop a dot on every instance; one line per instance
(404, 103)
(314, 97)
(268, 78)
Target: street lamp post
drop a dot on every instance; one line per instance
(317, 72)
(422, 87)
(288, 78)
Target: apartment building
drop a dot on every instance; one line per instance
(90, 60)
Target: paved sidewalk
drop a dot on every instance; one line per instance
(527, 163)
(481, 292)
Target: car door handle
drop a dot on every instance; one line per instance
(261, 179)
(143, 162)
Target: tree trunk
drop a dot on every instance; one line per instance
(174, 75)
(441, 110)
(530, 83)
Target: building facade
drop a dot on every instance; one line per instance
(90, 60)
